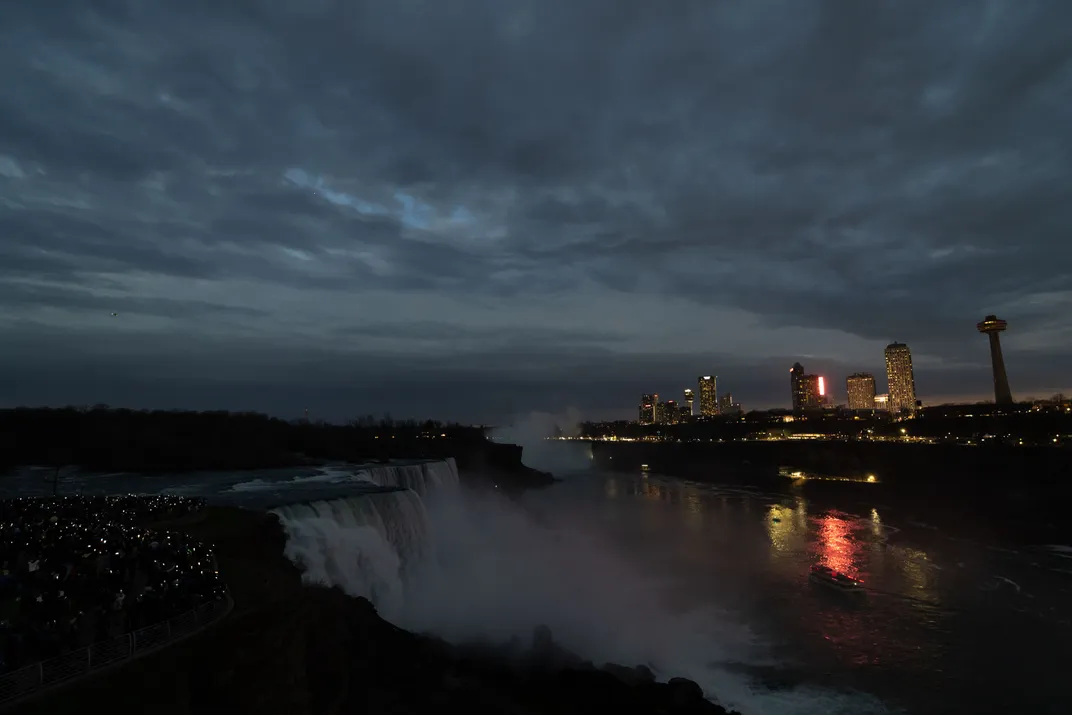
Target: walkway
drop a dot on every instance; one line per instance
(33, 680)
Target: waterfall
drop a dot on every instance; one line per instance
(423, 477)
(365, 544)
(368, 544)
(471, 565)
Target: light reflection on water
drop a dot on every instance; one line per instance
(837, 549)
(610, 488)
(924, 626)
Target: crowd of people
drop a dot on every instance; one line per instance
(75, 570)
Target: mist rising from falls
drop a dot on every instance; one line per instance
(531, 432)
(369, 543)
(472, 566)
(366, 544)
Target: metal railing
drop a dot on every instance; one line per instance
(28, 680)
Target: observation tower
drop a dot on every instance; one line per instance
(992, 326)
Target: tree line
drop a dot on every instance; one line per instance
(103, 438)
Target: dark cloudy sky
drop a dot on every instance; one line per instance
(475, 208)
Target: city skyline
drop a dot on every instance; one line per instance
(526, 206)
(812, 390)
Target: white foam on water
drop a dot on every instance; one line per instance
(254, 485)
(325, 475)
(473, 566)
(420, 477)
(183, 490)
(1010, 582)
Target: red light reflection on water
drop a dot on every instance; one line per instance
(837, 549)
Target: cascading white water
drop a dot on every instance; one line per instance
(365, 544)
(474, 566)
(421, 478)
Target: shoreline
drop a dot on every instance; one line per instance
(289, 648)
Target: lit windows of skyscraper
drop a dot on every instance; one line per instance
(708, 395)
(861, 389)
(688, 400)
(667, 413)
(901, 377)
(647, 409)
(797, 387)
(814, 391)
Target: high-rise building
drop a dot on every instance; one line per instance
(861, 389)
(667, 413)
(814, 388)
(797, 387)
(882, 402)
(647, 409)
(688, 401)
(708, 395)
(684, 413)
(901, 377)
(726, 405)
(992, 325)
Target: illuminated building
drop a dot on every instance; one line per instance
(688, 401)
(708, 395)
(882, 402)
(812, 392)
(647, 409)
(901, 378)
(797, 387)
(727, 406)
(684, 413)
(993, 326)
(667, 413)
(861, 389)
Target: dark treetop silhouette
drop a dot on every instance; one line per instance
(123, 440)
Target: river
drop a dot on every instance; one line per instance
(948, 624)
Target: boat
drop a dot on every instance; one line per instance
(835, 579)
(800, 475)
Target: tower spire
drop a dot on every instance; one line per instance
(993, 327)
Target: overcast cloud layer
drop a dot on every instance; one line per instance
(475, 208)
